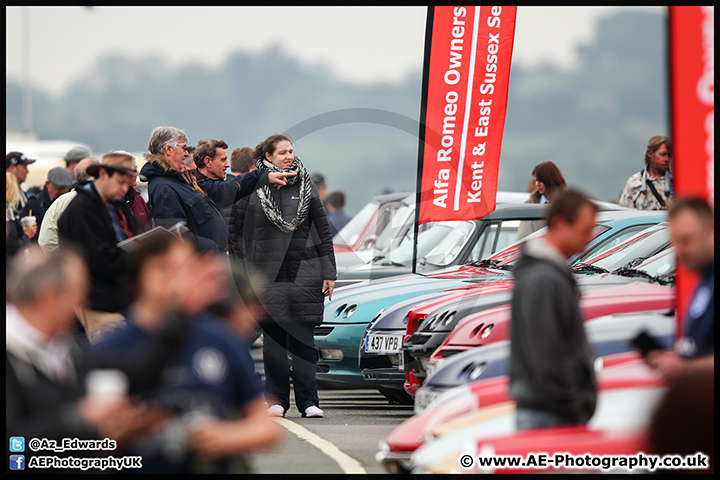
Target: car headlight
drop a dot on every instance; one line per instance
(486, 331)
(435, 323)
(477, 370)
(350, 310)
(339, 310)
(448, 319)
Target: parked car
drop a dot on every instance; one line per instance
(346, 317)
(441, 320)
(461, 407)
(338, 338)
(371, 231)
(628, 394)
(380, 366)
(468, 363)
(396, 449)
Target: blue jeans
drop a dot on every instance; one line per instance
(527, 419)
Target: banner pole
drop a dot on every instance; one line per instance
(421, 133)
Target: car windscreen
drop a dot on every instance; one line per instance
(633, 250)
(350, 233)
(431, 236)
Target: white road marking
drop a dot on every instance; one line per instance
(345, 461)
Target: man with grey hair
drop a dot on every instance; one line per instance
(48, 238)
(176, 197)
(44, 391)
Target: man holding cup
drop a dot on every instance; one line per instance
(58, 181)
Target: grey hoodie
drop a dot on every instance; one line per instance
(551, 361)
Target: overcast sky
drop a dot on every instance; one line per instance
(362, 44)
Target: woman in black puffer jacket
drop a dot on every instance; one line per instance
(284, 234)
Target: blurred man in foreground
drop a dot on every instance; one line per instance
(210, 381)
(44, 386)
(692, 233)
(551, 361)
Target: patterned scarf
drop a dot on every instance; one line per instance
(270, 206)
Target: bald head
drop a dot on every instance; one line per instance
(81, 169)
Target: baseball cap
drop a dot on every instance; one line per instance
(60, 177)
(17, 158)
(76, 154)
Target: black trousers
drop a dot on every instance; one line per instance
(299, 340)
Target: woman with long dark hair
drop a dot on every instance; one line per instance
(284, 234)
(549, 182)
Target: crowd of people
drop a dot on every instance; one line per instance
(172, 291)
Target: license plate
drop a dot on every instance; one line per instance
(423, 398)
(379, 343)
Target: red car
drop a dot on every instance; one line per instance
(480, 401)
(492, 325)
(627, 395)
(417, 315)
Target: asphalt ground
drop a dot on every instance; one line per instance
(345, 440)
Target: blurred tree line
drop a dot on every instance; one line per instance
(593, 120)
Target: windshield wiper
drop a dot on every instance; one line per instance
(488, 263)
(633, 272)
(589, 268)
(636, 261)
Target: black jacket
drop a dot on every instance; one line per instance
(86, 223)
(226, 192)
(295, 263)
(551, 360)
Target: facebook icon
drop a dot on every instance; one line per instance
(17, 462)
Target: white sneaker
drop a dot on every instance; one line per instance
(313, 411)
(276, 411)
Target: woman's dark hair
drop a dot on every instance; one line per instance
(549, 174)
(268, 145)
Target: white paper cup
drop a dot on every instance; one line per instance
(106, 384)
(27, 221)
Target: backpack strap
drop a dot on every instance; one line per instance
(655, 192)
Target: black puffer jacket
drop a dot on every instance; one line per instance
(294, 263)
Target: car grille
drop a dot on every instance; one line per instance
(323, 331)
(418, 339)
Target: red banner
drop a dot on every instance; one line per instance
(467, 69)
(692, 105)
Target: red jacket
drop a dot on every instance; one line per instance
(138, 206)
